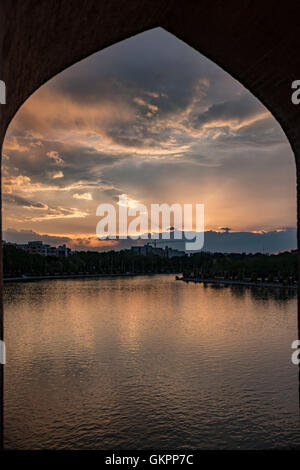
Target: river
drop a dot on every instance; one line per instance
(146, 362)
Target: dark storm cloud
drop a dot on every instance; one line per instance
(172, 81)
(238, 110)
(169, 78)
(24, 236)
(20, 201)
(164, 89)
(262, 133)
(74, 162)
(139, 65)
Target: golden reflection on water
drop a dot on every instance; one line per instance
(149, 361)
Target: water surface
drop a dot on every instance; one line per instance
(149, 362)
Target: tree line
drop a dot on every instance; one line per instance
(282, 266)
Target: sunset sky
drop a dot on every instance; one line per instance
(155, 120)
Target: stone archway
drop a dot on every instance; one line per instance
(254, 42)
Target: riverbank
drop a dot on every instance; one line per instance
(231, 282)
(128, 274)
(75, 276)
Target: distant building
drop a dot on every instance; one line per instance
(142, 250)
(171, 253)
(4, 243)
(148, 249)
(63, 250)
(171, 242)
(37, 247)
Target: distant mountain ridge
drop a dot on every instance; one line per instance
(232, 242)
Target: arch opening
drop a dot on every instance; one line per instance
(177, 105)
